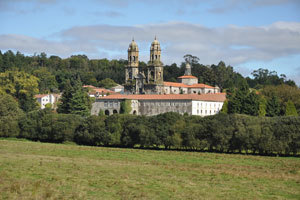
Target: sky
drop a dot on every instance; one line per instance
(246, 34)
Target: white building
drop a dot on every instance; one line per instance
(192, 104)
(44, 99)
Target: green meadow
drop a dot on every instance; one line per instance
(34, 170)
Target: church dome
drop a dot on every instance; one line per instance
(133, 46)
(155, 44)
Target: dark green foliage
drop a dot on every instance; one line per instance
(273, 107)
(75, 100)
(264, 77)
(92, 132)
(107, 83)
(125, 106)
(251, 104)
(43, 125)
(9, 116)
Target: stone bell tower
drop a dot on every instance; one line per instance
(155, 67)
(131, 69)
(154, 77)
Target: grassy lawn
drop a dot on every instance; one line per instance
(33, 170)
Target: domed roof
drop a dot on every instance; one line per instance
(133, 46)
(155, 42)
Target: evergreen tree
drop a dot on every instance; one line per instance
(237, 100)
(75, 100)
(262, 107)
(251, 104)
(290, 109)
(273, 107)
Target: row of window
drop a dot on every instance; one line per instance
(206, 112)
(210, 105)
(111, 104)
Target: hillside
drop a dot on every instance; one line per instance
(32, 170)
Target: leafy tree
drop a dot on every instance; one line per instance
(92, 132)
(125, 106)
(191, 59)
(107, 83)
(9, 116)
(22, 86)
(290, 109)
(47, 81)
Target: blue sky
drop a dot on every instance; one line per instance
(247, 34)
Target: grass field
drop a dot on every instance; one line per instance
(33, 170)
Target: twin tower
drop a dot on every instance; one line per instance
(141, 79)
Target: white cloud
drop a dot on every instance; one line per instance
(177, 39)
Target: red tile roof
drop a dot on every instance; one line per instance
(100, 90)
(189, 76)
(89, 86)
(173, 84)
(198, 85)
(40, 95)
(220, 97)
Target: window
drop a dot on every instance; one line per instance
(105, 103)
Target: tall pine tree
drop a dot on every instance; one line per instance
(273, 107)
(75, 100)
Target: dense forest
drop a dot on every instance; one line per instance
(260, 114)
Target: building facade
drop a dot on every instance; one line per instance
(149, 95)
(44, 99)
(148, 105)
(144, 81)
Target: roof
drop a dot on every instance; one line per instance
(188, 76)
(174, 84)
(40, 95)
(200, 85)
(197, 85)
(100, 90)
(219, 97)
(89, 86)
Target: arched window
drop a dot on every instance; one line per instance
(106, 112)
(155, 57)
(152, 57)
(129, 58)
(115, 112)
(133, 58)
(134, 112)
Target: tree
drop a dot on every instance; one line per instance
(47, 82)
(107, 83)
(9, 116)
(125, 106)
(251, 104)
(273, 107)
(191, 59)
(262, 107)
(290, 109)
(21, 85)
(75, 100)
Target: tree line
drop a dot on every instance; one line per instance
(230, 133)
(24, 76)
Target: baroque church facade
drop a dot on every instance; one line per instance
(150, 95)
(149, 80)
(144, 81)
